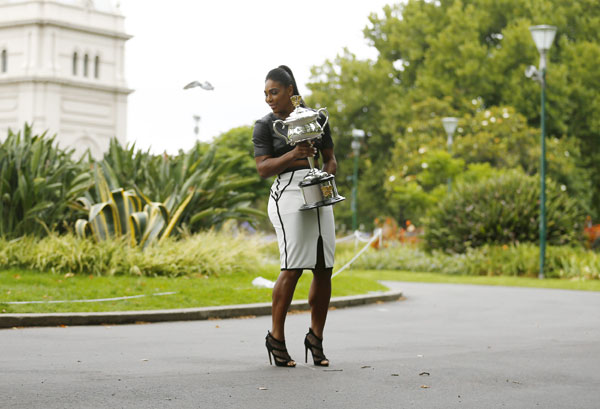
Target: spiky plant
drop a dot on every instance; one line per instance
(39, 183)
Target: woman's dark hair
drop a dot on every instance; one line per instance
(283, 74)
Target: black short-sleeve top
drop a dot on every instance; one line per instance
(267, 143)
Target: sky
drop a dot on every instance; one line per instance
(232, 44)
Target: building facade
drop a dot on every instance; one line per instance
(62, 70)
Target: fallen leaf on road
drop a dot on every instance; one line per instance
(424, 373)
(425, 387)
(395, 374)
(365, 366)
(145, 360)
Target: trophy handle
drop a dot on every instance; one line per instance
(326, 115)
(277, 131)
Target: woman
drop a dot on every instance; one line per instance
(306, 238)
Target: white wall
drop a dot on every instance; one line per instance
(40, 88)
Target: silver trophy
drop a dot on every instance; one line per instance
(318, 187)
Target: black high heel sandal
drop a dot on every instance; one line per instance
(279, 351)
(315, 344)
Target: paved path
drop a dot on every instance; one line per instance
(444, 346)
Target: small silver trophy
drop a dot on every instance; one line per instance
(318, 187)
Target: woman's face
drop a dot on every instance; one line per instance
(278, 98)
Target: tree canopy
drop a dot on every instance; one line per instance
(465, 58)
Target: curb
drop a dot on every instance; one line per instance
(186, 314)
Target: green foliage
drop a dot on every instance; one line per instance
(213, 180)
(501, 210)
(464, 58)
(486, 139)
(121, 215)
(359, 94)
(207, 253)
(238, 142)
(489, 260)
(39, 183)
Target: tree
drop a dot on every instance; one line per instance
(452, 58)
(359, 95)
(497, 137)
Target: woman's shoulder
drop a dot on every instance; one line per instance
(267, 119)
(263, 128)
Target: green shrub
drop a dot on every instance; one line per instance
(218, 190)
(120, 214)
(207, 253)
(498, 138)
(39, 183)
(501, 210)
(489, 260)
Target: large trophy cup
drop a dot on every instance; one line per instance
(318, 187)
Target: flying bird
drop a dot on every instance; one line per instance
(204, 85)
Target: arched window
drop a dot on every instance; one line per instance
(4, 62)
(97, 67)
(75, 63)
(86, 61)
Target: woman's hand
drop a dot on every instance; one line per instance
(304, 150)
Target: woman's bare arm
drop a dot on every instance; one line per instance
(268, 166)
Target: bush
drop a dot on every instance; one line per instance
(219, 192)
(497, 137)
(488, 260)
(39, 183)
(501, 210)
(208, 253)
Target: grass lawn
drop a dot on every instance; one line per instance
(510, 281)
(200, 291)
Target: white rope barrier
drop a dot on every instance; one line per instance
(94, 300)
(377, 235)
(357, 235)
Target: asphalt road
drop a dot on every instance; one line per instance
(444, 346)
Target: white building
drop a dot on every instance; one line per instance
(62, 70)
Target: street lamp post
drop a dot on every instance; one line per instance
(357, 134)
(543, 36)
(207, 86)
(197, 119)
(450, 124)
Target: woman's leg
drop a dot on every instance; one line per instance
(282, 298)
(318, 298)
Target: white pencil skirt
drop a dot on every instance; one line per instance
(306, 238)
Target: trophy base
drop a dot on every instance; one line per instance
(319, 189)
(327, 202)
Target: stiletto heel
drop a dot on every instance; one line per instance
(279, 351)
(315, 344)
